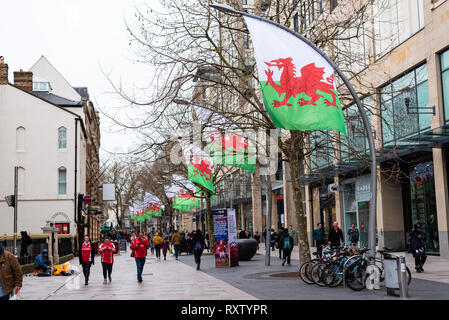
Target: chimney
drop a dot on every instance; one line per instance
(3, 71)
(23, 80)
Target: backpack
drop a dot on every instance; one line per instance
(197, 246)
(287, 243)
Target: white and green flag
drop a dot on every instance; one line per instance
(297, 83)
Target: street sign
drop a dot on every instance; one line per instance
(108, 192)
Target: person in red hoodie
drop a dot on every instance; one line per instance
(139, 246)
(87, 257)
(107, 250)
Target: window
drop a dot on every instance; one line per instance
(397, 123)
(323, 153)
(296, 23)
(62, 138)
(62, 181)
(355, 142)
(396, 22)
(334, 4)
(41, 86)
(246, 40)
(444, 62)
(20, 139)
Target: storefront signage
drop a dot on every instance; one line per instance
(363, 188)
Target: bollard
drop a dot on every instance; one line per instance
(402, 277)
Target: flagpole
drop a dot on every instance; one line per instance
(373, 201)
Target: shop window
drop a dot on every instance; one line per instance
(397, 123)
(444, 62)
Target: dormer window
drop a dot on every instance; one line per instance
(41, 86)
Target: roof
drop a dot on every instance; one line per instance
(55, 99)
(82, 92)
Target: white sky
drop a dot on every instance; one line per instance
(79, 38)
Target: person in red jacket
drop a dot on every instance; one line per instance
(139, 246)
(107, 250)
(87, 257)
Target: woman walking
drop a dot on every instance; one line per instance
(165, 246)
(157, 240)
(198, 246)
(87, 258)
(107, 250)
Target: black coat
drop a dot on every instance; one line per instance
(417, 241)
(195, 239)
(336, 236)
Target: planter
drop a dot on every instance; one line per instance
(247, 248)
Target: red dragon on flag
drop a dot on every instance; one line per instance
(309, 83)
(203, 168)
(231, 142)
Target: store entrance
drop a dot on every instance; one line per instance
(363, 208)
(423, 203)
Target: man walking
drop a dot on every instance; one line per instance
(87, 258)
(286, 243)
(417, 246)
(336, 236)
(140, 246)
(107, 250)
(10, 274)
(318, 236)
(176, 242)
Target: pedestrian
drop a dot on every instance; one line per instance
(336, 239)
(257, 237)
(157, 241)
(87, 257)
(165, 246)
(279, 236)
(140, 246)
(150, 239)
(286, 243)
(11, 275)
(318, 236)
(176, 242)
(107, 250)
(417, 245)
(198, 247)
(353, 235)
(242, 234)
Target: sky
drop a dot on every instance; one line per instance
(82, 39)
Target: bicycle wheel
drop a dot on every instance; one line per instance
(355, 276)
(316, 273)
(304, 272)
(331, 275)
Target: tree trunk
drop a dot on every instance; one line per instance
(296, 156)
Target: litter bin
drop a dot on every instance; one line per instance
(395, 275)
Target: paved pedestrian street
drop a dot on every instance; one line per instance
(179, 280)
(162, 280)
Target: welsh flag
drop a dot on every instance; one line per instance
(154, 209)
(233, 150)
(297, 82)
(185, 201)
(200, 166)
(224, 141)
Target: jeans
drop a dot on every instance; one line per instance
(158, 250)
(140, 262)
(197, 254)
(176, 247)
(286, 255)
(319, 247)
(86, 269)
(107, 269)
